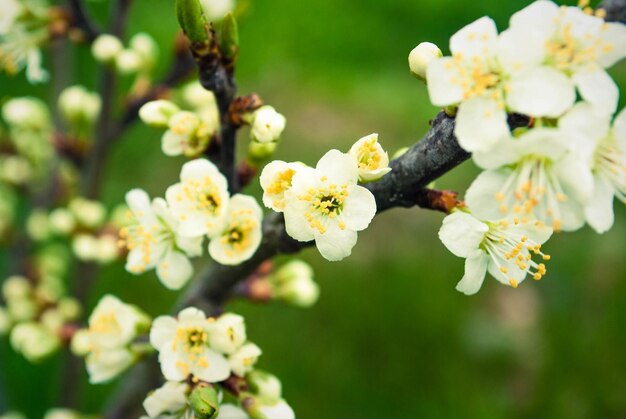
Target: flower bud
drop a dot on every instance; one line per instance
(216, 9)
(85, 247)
(268, 408)
(197, 96)
(267, 125)
(229, 37)
(88, 213)
(78, 105)
(69, 307)
(203, 400)
(50, 288)
(53, 320)
(16, 287)
(421, 56)
(22, 309)
(53, 260)
(26, 112)
(158, 113)
(107, 249)
(58, 413)
(193, 22)
(15, 170)
(264, 384)
(33, 341)
(106, 48)
(293, 283)
(62, 221)
(146, 47)
(261, 151)
(128, 62)
(5, 321)
(37, 225)
(81, 343)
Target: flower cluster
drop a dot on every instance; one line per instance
(197, 354)
(108, 341)
(139, 57)
(165, 233)
(188, 132)
(325, 203)
(557, 173)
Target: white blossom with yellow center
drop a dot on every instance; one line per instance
(242, 361)
(184, 351)
(241, 233)
(228, 333)
(504, 248)
(200, 201)
(533, 177)
(486, 86)
(276, 181)
(187, 132)
(325, 204)
(153, 241)
(112, 327)
(372, 160)
(572, 41)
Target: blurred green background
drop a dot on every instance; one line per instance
(390, 337)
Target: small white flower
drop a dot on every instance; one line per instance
(153, 241)
(579, 45)
(187, 134)
(276, 180)
(504, 249)
(34, 341)
(326, 205)
(480, 81)
(77, 105)
(230, 411)
(157, 113)
(19, 49)
(146, 47)
(532, 177)
(267, 125)
(113, 325)
(26, 112)
(169, 400)
(128, 61)
(183, 346)
(272, 409)
(241, 234)
(200, 201)
(228, 333)
(242, 361)
(372, 160)
(421, 56)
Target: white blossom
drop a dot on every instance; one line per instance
(484, 85)
(157, 113)
(228, 333)
(106, 48)
(504, 249)
(267, 125)
(242, 361)
(372, 160)
(183, 345)
(533, 176)
(153, 241)
(276, 180)
(570, 41)
(200, 201)
(326, 205)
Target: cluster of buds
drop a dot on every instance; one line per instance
(204, 360)
(36, 315)
(80, 109)
(139, 57)
(188, 132)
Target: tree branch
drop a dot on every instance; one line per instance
(82, 21)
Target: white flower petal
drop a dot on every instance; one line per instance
(173, 144)
(175, 270)
(139, 203)
(541, 92)
(475, 270)
(441, 90)
(339, 167)
(172, 363)
(614, 49)
(599, 210)
(520, 50)
(295, 224)
(170, 398)
(335, 244)
(480, 124)
(217, 367)
(539, 16)
(191, 315)
(229, 411)
(574, 172)
(479, 38)
(598, 88)
(462, 233)
(359, 209)
(584, 127)
(481, 195)
(619, 129)
(163, 331)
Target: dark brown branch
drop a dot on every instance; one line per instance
(82, 21)
(615, 10)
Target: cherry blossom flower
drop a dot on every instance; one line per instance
(372, 160)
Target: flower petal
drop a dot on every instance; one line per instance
(481, 195)
(173, 144)
(335, 244)
(175, 270)
(599, 210)
(476, 39)
(359, 208)
(598, 88)
(480, 124)
(439, 75)
(462, 233)
(339, 167)
(163, 331)
(217, 367)
(541, 92)
(475, 270)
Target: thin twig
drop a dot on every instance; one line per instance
(82, 21)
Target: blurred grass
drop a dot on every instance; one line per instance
(390, 336)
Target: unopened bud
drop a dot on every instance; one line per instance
(293, 283)
(26, 112)
(58, 413)
(193, 22)
(106, 48)
(62, 221)
(53, 320)
(268, 408)
(261, 151)
(78, 105)
(421, 56)
(128, 62)
(69, 307)
(158, 113)
(267, 125)
(16, 287)
(203, 400)
(33, 341)
(81, 343)
(88, 213)
(108, 249)
(146, 47)
(37, 225)
(197, 96)
(15, 170)
(264, 384)
(22, 309)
